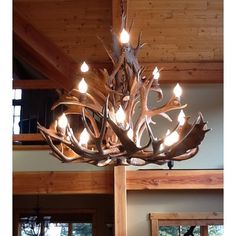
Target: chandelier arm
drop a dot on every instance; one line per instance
(109, 52)
(56, 152)
(85, 123)
(128, 145)
(116, 69)
(93, 122)
(173, 104)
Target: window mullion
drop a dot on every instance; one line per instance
(69, 229)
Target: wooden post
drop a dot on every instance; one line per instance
(204, 230)
(120, 201)
(154, 228)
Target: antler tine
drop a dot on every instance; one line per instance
(86, 124)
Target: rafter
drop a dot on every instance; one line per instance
(38, 51)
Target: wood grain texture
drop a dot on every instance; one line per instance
(120, 201)
(31, 46)
(35, 84)
(27, 137)
(184, 72)
(186, 30)
(99, 182)
(73, 25)
(174, 179)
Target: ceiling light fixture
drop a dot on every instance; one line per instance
(112, 125)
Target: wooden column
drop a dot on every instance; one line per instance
(204, 230)
(120, 201)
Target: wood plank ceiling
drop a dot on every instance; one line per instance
(183, 36)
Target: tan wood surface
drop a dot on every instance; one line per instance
(182, 31)
(34, 84)
(204, 231)
(28, 137)
(186, 216)
(174, 179)
(72, 25)
(41, 53)
(98, 182)
(120, 201)
(186, 30)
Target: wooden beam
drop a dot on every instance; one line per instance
(28, 137)
(186, 216)
(86, 182)
(35, 84)
(120, 201)
(188, 72)
(204, 230)
(174, 179)
(24, 147)
(38, 51)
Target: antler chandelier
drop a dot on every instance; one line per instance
(111, 126)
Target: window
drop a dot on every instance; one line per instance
(16, 110)
(182, 224)
(66, 223)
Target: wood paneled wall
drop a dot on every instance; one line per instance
(178, 30)
(174, 30)
(72, 25)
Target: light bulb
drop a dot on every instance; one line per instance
(130, 134)
(124, 36)
(84, 137)
(156, 73)
(177, 90)
(181, 118)
(84, 67)
(167, 132)
(171, 139)
(120, 115)
(62, 121)
(83, 87)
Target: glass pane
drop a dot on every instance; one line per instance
(177, 230)
(169, 230)
(57, 229)
(82, 229)
(184, 229)
(16, 127)
(17, 110)
(215, 230)
(18, 93)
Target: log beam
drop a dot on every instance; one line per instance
(174, 179)
(32, 47)
(86, 182)
(120, 201)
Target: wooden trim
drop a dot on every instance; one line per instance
(28, 137)
(174, 179)
(30, 147)
(87, 182)
(186, 216)
(188, 72)
(34, 84)
(120, 201)
(154, 227)
(191, 222)
(204, 230)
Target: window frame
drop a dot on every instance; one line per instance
(185, 218)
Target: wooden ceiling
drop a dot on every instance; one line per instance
(184, 36)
